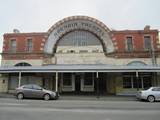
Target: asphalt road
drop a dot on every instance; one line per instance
(12, 109)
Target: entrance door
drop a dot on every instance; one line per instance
(102, 83)
(77, 83)
(102, 86)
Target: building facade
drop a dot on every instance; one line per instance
(81, 55)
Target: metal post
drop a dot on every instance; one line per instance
(56, 88)
(137, 76)
(97, 76)
(19, 80)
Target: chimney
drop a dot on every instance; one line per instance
(147, 28)
(16, 31)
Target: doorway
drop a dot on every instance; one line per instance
(77, 83)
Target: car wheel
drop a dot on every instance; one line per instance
(46, 97)
(151, 98)
(20, 96)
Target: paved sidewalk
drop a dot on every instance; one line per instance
(104, 98)
(85, 97)
(6, 95)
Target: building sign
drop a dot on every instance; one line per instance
(81, 23)
(84, 25)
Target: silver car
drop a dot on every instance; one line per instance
(152, 94)
(35, 91)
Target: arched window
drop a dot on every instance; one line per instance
(79, 38)
(23, 64)
(136, 63)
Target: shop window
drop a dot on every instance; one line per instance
(13, 82)
(137, 82)
(67, 79)
(147, 82)
(89, 79)
(143, 81)
(127, 82)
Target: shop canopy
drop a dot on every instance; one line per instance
(78, 68)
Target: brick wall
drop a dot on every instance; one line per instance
(38, 40)
(119, 38)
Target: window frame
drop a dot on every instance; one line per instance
(133, 81)
(69, 78)
(27, 46)
(13, 48)
(144, 45)
(126, 41)
(91, 78)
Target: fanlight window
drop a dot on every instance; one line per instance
(136, 63)
(79, 38)
(22, 64)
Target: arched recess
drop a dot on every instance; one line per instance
(92, 39)
(22, 64)
(69, 24)
(136, 63)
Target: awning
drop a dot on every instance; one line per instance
(78, 68)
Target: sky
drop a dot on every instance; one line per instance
(40, 15)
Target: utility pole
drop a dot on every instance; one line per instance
(152, 53)
(154, 62)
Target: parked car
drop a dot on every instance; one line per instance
(152, 94)
(35, 91)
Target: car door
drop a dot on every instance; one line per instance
(37, 91)
(156, 93)
(28, 91)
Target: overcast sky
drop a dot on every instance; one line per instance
(40, 15)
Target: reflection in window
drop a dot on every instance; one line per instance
(67, 79)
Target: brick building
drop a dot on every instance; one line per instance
(80, 55)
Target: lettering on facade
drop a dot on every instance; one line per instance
(79, 25)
